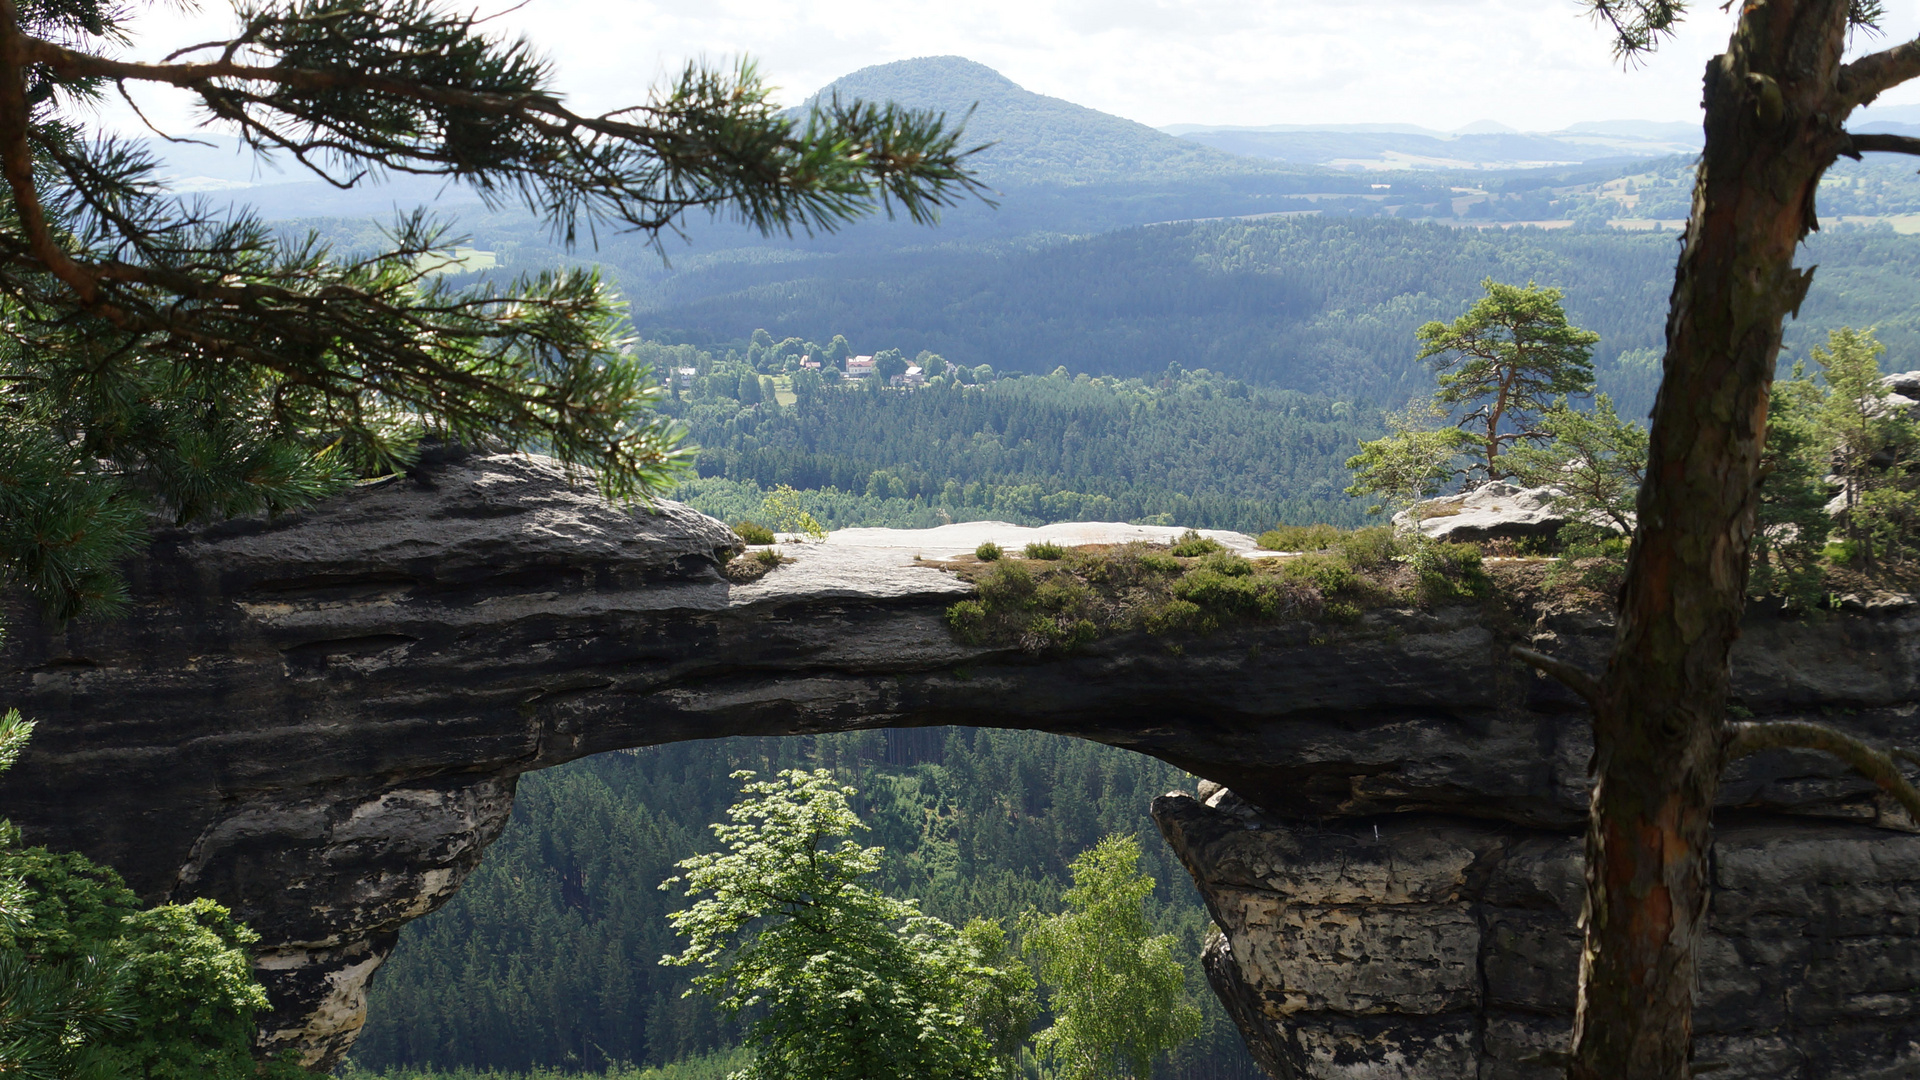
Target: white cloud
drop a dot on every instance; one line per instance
(1533, 64)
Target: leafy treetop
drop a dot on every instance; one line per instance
(848, 983)
(1117, 991)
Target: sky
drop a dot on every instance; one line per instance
(1536, 65)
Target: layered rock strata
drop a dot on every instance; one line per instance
(319, 721)
(1445, 949)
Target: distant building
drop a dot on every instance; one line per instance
(914, 377)
(808, 363)
(859, 367)
(683, 377)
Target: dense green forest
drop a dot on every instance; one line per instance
(549, 955)
(1193, 448)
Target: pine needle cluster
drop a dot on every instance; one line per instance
(161, 359)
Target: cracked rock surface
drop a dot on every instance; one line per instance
(319, 721)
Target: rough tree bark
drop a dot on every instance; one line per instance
(1775, 105)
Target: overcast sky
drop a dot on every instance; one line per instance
(1534, 64)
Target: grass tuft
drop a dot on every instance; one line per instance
(753, 532)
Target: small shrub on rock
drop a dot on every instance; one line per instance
(1063, 596)
(1046, 632)
(1299, 538)
(987, 552)
(1179, 615)
(1329, 574)
(1225, 595)
(1008, 585)
(1045, 551)
(1341, 612)
(1368, 549)
(1160, 563)
(1225, 562)
(1449, 572)
(1192, 545)
(769, 557)
(968, 620)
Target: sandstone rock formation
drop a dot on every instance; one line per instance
(1496, 510)
(319, 721)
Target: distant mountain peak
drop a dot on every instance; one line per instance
(957, 71)
(1036, 138)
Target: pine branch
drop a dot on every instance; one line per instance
(1875, 142)
(16, 162)
(707, 146)
(1571, 676)
(1870, 76)
(1876, 765)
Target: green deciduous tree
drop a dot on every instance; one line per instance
(841, 982)
(1117, 992)
(1597, 459)
(1791, 521)
(782, 508)
(888, 363)
(92, 985)
(55, 1011)
(1414, 461)
(1503, 361)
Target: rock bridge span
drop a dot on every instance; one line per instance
(319, 722)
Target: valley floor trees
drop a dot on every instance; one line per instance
(839, 980)
(835, 979)
(1116, 991)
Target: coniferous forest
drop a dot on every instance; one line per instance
(1192, 448)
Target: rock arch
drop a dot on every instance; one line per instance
(319, 721)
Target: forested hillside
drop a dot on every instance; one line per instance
(1320, 306)
(549, 955)
(1309, 304)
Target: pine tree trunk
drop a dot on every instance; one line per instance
(1771, 131)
